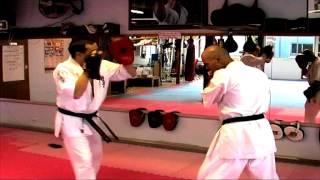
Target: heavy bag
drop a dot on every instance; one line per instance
(230, 45)
(238, 14)
(219, 17)
(256, 15)
(230, 15)
(209, 41)
(221, 42)
(277, 131)
(121, 49)
(294, 133)
(155, 118)
(170, 120)
(190, 61)
(137, 116)
(206, 78)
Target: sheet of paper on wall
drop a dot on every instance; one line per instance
(13, 63)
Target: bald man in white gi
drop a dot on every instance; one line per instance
(245, 140)
(75, 97)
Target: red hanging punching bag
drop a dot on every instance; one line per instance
(190, 61)
(121, 49)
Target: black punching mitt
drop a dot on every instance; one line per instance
(93, 66)
(312, 90)
(301, 61)
(309, 55)
(155, 118)
(268, 51)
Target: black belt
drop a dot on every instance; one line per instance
(243, 118)
(88, 118)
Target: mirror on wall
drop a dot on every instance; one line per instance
(289, 81)
(287, 103)
(156, 60)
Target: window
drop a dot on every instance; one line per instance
(297, 48)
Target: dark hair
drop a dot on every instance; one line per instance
(79, 45)
(309, 55)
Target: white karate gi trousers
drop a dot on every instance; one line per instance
(260, 168)
(85, 153)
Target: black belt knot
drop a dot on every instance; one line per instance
(88, 118)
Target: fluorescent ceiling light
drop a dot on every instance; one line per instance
(143, 19)
(136, 11)
(314, 11)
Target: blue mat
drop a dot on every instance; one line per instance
(283, 93)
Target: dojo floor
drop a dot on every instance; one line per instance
(286, 103)
(26, 155)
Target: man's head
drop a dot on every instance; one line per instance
(267, 53)
(214, 58)
(309, 55)
(80, 49)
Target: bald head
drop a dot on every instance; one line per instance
(215, 57)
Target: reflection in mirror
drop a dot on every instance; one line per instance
(290, 75)
(155, 59)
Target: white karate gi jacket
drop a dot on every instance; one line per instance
(240, 90)
(65, 76)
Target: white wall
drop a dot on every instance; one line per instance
(190, 132)
(283, 69)
(116, 11)
(42, 86)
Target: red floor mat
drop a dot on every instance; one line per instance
(15, 164)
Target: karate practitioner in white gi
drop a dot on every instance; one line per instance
(74, 94)
(254, 59)
(245, 143)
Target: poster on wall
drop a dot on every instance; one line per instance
(13, 63)
(53, 53)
